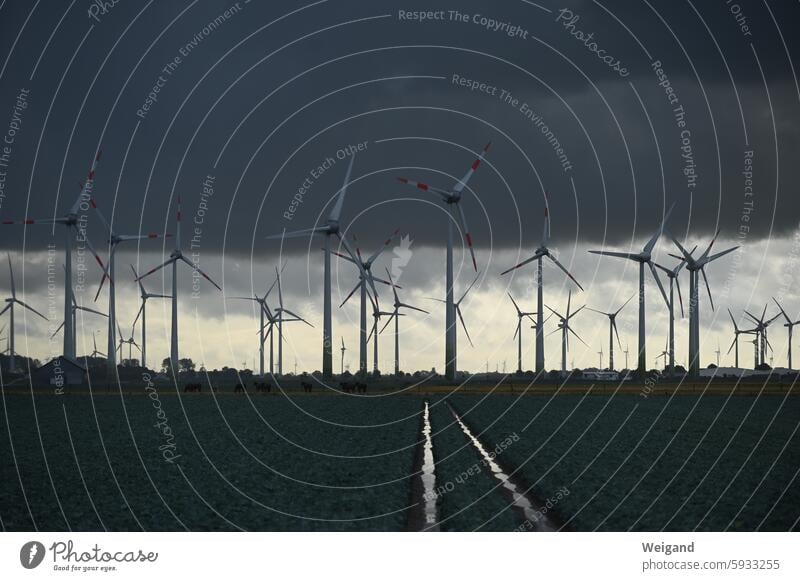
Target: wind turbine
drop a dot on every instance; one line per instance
(565, 329)
(452, 200)
(75, 308)
(263, 309)
(143, 295)
(281, 320)
(329, 229)
(175, 256)
(377, 313)
(10, 302)
(663, 354)
(626, 356)
(114, 240)
(343, 349)
(541, 252)
(761, 333)
(95, 352)
(612, 330)
(789, 327)
(645, 257)
(70, 223)
(717, 352)
(736, 332)
(395, 314)
(457, 308)
(672, 274)
(365, 279)
(518, 333)
(600, 353)
(695, 266)
(130, 341)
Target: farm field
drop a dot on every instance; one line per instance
(682, 463)
(339, 462)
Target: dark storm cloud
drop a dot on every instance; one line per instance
(271, 113)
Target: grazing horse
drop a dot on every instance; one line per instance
(239, 388)
(361, 387)
(192, 387)
(346, 386)
(307, 387)
(263, 386)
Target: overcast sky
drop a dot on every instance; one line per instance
(259, 95)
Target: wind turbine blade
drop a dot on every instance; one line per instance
(720, 254)
(561, 266)
(463, 324)
(197, 268)
(296, 316)
(407, 306)
(345, 256)
(619, 310)
(459, 187)
(94, 252)
(658, 282)
(337, 208)
(61, 326)
(576, 335)
(11, 272)
(616, 332)
(157, 268)
(733, 343)
(782, 312)
(648, 248)
(467, 234)
(469, 288)
(628, 255)
(735, 326)
(708, 288)
(89, 177)
(519, 311)
(100, 215)
(352, 292)
(138, 315)
(394, 289)
(378, 252)
(31, 309)
(444, 194)
(88, 310)
(680, 297)
(389, 320)
(523, 263)
(299, 233)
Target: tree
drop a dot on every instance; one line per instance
(186, 364)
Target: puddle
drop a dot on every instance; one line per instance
(529, 509)
(428, 473)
